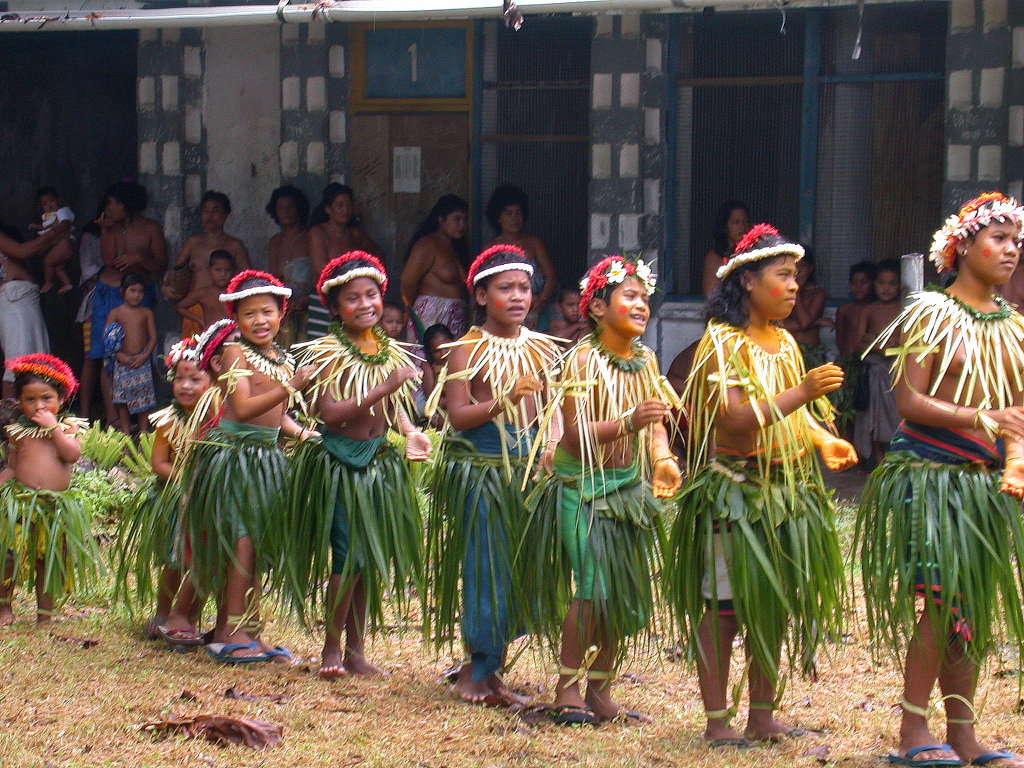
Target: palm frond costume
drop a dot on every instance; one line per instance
(932, 521)
(51, 527)
(351, 507)
(475, 521)
(754, 534)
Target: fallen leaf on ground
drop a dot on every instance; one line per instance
(220, 729)
(187, 695)
(821, 752)
(85, 642)
(234, 693)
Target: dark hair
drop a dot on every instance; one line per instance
(433, 332)
(338, 271)
(445, 206)
(25, 378)
(720, 224)
(219, 198)
(327, 197)
(561, 293)
(501, 198)
(497, 259)
(728, 302)
(47, 191)
(394, 304)
(221, 255)
(810, 261)
(129, 194)
(296, 195)
(888, 265)
(130, 279)
(864, 268)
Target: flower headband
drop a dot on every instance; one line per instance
(762, 241)
(375, 271)
(186, 349)
(47, 367)
(974, 216)
(475, 274)
(208, 341)
(267, 284)
(612, 270)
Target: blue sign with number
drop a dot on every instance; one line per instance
(416, 62)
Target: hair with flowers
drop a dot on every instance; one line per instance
(346, 268)
(210, 340)
(761, 241)
(47, 367)
(496, 259)
(609, 272)
(186, 349)
(972, 217)
(253, 282)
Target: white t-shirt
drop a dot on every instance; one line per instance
(50, 218)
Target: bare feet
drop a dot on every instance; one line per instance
(277, 655)
(252, 648)
(46, 287)
(600, 700)
(964, 740)
(720, 734)
(331, 667)
(356, 664)
(762, 726)
(64, 288)
(509, 697)
(474, 691)
(6, 615)
(918, 735)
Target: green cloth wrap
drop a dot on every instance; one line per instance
(781, 554)
(148, 537)
(53, 527)
(355, 501)
(925, 519)
(592, 536)
(235, 481)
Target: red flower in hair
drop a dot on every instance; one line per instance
(595, 281)
(45, 367)
(488, 253)
(254, 274)
(754, 234)
(336, 262)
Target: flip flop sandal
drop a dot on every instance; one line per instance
(280, 650)
(572, 715)
(988, 757)
(222, 652)
(907, 758)
(734, 741)
(180, 637)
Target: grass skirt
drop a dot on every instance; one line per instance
(373, 507)
(235, 479)
(148, 537)
(595, 537)
(52, 527)
(943, 529)
(473, 530)
(781, 555)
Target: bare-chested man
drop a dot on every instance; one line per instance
(129, 242)
(22, 329)
(433, 279)
(288, 257)
(195, 252)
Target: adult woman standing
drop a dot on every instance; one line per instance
(732, 220)
(507, 212)
(288, 255)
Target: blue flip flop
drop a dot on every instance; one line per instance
(988, 757)
(222, 652)
(279, 650)
(908, 760)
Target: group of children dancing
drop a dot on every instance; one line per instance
(556, 506)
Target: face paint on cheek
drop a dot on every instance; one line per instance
(776, 292)
(623, 310)
(987, 252)
(499, 304)
(348, 311)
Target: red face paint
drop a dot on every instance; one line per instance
(987, 252)
(623, 310)
(348, 311)
(776, 292)
(499, 304)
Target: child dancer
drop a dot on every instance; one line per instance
(353, 490)
(596, 512)
(939, 513)
(754, 545)
(149, 538)
(41, 522)
(493, 383)
(234, 476)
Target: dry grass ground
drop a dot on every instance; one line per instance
(62, 704)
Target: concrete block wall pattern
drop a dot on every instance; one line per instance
(984, 99)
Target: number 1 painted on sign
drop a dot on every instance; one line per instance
(413, 73)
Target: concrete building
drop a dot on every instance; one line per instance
(853, 128)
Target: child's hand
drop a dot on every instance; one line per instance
(545, 463)
(417, 446)
(399, 376)
(35, 227)
(302, 377)
(1010, 421)
(837, 454)
(666, 478)
(524, 386)
(45, 419)
(139, 360)
(821, 380)
(649, 412)
(1013, 478)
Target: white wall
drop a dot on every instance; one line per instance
(242, 115)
